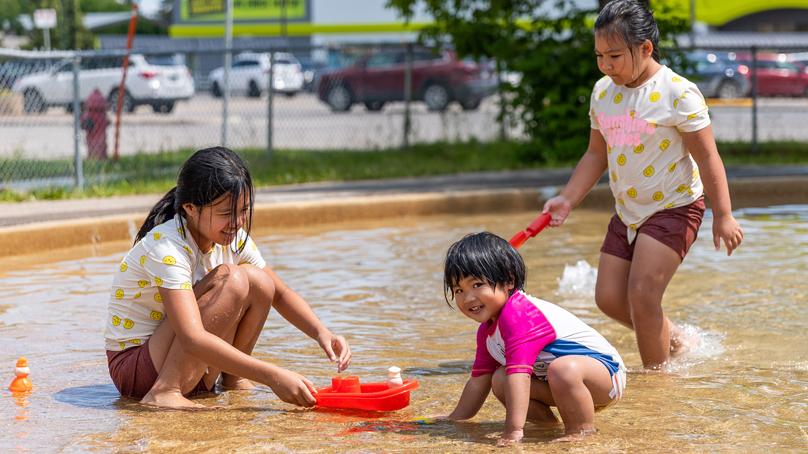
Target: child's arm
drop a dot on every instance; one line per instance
(701, 146)
(294, 308)
(472, 399)
(588, 171)
(517, 400)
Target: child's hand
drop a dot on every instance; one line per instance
(510, 438)
(559, 208)
(727, 228)
(293, 388)
(336, 349)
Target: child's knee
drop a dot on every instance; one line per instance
(564, 373)
(233, 279)
(260, 283)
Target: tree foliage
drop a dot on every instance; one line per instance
(550, 43)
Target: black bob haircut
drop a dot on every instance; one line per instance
(483, 256)
(631, 21)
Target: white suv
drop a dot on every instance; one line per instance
(155, 81)
(249, 75)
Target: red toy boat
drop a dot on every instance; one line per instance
(348, 393)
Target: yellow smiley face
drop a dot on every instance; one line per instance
(655, 96)
(621, 159)
(692, 116)
(681, 188)
(158, 298)
(602, 94)
(156, 315)
(124, 267)
(188, 250)
(664, 144)
(639, 148)
(169, 260)
(633, 226)
(157, 281)
(613, 175)
(142, 260)
(157, 236)
(135, 341)
(676, 103)
(119, 293)
(137, 295)
(121, 345)
(676, 79)
(128, 323)
(658, 196)
(621, 201)
(648, 171)
(142, 283)
(186, 286)
(240, 244)
(116, 321)
(632, 192)
(672, 167)
(669, 206)
(618, 98)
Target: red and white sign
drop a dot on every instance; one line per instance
(45, 18)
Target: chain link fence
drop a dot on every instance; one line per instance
(59, 129)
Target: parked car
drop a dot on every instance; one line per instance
(378, 78)
(249, 74)
(718, 76)
(159, 86)
(776, 76)
(15, 69)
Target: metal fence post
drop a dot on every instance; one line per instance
(754, 99)
(270, 100)
(407, 95)
(228, 44)
(77, 161)
(503, 112)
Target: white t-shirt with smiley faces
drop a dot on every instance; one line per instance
(166, 257)
(649, 167)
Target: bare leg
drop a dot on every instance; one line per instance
(538, 411)
(259, 300)
(652, 268)
(578, 384)
(222, 299)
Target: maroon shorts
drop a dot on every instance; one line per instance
(133, 372)
(676, 228)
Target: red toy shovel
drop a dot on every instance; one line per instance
(532, 230)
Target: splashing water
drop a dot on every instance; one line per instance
(707, 345)
(578, 280)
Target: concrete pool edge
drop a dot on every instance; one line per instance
(54, 235)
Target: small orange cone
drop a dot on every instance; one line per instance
(21, 383)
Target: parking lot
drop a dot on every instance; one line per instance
(303, 122)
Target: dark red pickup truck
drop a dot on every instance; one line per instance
(437, 80)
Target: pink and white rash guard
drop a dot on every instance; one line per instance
(530, 333)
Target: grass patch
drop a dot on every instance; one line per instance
(156, 173)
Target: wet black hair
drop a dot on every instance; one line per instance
(203, 178)
(631, 21)
(483, 256)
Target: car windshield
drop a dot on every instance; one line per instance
(165, 60)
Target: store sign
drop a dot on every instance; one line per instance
(243, 10)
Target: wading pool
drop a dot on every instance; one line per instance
(745, 387)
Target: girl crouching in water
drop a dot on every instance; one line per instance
(192, 295)
(531, 353)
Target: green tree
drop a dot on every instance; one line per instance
(550, 43)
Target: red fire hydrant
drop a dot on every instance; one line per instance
(94, 121)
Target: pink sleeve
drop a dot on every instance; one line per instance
(484, 363)
(525, 331)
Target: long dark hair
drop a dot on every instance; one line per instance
(483, 256)
(631, 21)
(204, 177)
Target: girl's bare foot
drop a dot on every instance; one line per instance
(682, 341)
(575, 436)
(236, 383)
(171, 399)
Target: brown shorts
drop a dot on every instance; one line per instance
(676, 228)
(133, 372)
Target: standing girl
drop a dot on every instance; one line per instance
(191, 297)
(530, 352)
(651, 129)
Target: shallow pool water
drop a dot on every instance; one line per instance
(745, 388)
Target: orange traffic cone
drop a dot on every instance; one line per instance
(21, 383)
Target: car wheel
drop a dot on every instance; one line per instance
(163, 107)
(436, 97)
(470, 104)
(32, 102)
(290, 94)
(374, 106)
(339, 98)
(128, 105)
(729, 90)
(253, 90)
(216, 90)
